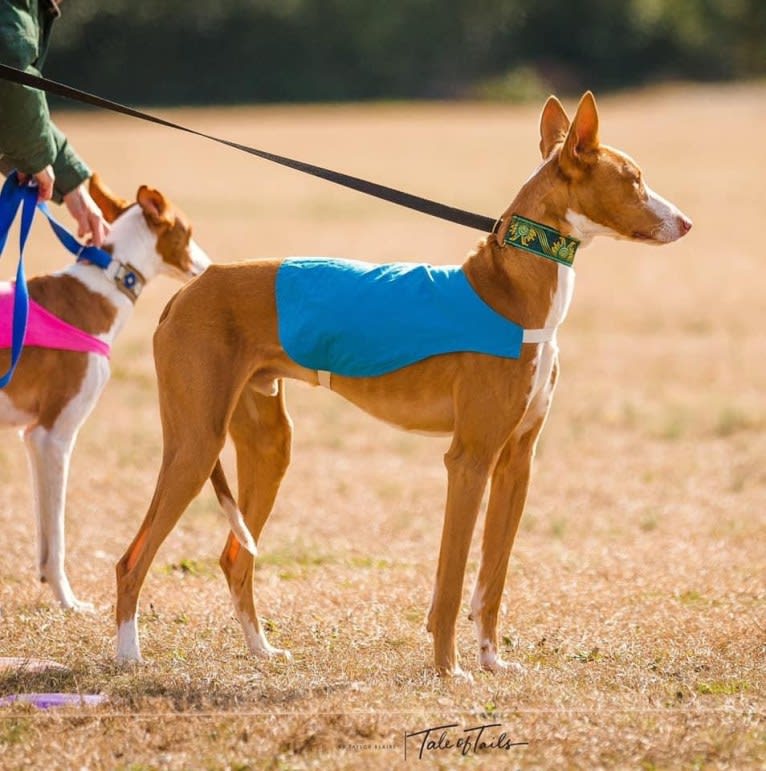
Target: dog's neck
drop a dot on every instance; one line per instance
(130, 242)
(517, 284)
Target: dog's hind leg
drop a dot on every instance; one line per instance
(194, 424)
(508, 493)
(185, 467)
(262, 434)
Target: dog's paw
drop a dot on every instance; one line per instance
(268, 651)
(128, 646)
(462, 675)
(78, 606)
(498, 665)
(491, 662)
(128, 660)
(456, 673)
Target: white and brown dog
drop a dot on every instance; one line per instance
(83, 308)
(493, 406)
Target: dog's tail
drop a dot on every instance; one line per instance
(234, 515)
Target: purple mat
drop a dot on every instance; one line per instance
(47, 700)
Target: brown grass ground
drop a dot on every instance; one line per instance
(636, 593)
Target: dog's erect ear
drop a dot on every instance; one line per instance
(154, 205)
(554, 125)
(111, 205)
(582, 139)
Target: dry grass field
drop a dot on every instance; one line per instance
(636, 597)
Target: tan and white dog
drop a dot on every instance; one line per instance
(493, 407)
(53, 391)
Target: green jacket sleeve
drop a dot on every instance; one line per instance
(69, 168)
(28, 138)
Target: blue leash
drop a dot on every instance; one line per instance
(83, 252)
(12, 196)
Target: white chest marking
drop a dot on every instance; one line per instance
(541, 389)
(562, 297)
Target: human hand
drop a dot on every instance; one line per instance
(44, 180)
(86, 213)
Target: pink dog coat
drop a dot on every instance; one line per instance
(44, 330)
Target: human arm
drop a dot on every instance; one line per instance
(29, 139)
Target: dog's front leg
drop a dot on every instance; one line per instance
(48, 453)
(468, 469)
(508, 494)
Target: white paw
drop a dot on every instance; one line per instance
(458, 673)
(256, 641)
(128, 647)
(78, 606)
(62, 591)
(128, 659)
(270, 652)
(493, 663)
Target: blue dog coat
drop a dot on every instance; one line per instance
(359, 320)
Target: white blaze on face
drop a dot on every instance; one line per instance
(671, 219)
(672, 223)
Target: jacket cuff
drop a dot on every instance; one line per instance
(69, 168)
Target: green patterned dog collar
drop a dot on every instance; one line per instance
(541, 240)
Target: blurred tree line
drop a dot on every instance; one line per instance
(223, 51)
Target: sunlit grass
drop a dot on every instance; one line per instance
(635, 599)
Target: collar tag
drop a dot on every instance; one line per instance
(129, 280)
(533, 237)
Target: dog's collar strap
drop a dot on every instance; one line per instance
(539, 239)
(127, 279)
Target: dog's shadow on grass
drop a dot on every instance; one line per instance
(182, 692)
(138, 688)
(54, 680)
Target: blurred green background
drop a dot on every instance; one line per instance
(232, 51)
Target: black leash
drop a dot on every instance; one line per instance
(424, 205)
